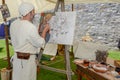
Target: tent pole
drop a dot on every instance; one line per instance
(7, 46)
(3, 1)
(6, 40)
(72, 7)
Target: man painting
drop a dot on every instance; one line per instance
(26, 41)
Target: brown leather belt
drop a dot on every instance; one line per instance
(21, 55)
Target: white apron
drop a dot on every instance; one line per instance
(24, 69)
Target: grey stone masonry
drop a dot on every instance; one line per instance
(100, 20)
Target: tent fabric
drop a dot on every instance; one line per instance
(87, 1)
(40, 6)
(2, 32)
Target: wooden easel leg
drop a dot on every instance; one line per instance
(67, 61)
(67, 57)
(62, 6)
(57, 6)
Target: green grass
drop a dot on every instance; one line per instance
(45, 75)
(3, 52)
(3, 63)
(59, 64)
(115, 54)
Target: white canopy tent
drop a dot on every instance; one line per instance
(40, 6)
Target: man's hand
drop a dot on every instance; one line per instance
(46, 29)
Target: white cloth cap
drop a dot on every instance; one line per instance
(25, 8)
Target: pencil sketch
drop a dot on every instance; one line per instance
(62, 28)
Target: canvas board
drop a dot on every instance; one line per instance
(62, 28)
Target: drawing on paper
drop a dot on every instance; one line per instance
(62, 28)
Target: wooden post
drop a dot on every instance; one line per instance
(7, 47)
(72, 7)
(3, 1)
(6, 40)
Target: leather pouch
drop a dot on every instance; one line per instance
(23, 55)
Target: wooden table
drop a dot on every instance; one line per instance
(90, 74)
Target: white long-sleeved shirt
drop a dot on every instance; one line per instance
(24, 37)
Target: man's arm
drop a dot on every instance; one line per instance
(45, 30)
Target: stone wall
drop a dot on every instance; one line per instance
(100, 20)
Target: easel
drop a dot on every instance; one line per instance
(68, 70)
